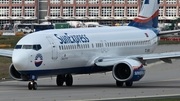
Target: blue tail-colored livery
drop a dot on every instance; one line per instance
(148, 17)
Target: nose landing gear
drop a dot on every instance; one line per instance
(32, 85)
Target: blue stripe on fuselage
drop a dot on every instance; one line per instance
(76, 70)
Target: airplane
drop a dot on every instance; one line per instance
(124, 50)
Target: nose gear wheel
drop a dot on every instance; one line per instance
(32, 85)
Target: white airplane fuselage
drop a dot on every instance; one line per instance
(71, 51)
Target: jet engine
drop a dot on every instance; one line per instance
(16, 75)
(128, 70)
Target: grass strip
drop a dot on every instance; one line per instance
(4, 67)
(12, 40)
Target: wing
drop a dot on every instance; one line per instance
(99, 25)
(143, 58)
(102, 26)
(168, 32)
(6, 53)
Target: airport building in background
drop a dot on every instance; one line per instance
(106, 12)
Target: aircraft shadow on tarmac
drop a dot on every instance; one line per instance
(143, 84)
(162, 84)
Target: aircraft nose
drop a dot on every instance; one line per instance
(20, 59)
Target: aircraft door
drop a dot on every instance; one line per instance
(54, 48)
(104, 46)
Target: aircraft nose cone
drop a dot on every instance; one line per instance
(20, 59)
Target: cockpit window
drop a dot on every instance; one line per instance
(27, 46)
(18, 47)
(37, 47)
(34, 47)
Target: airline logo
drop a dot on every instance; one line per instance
(38, 60)
(139, 73)
(72, 38)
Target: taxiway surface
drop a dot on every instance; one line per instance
(161, 79)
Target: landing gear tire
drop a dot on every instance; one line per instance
(129, 84)
(119, 83)
(69, 80)
(32, 85)
(60, 80)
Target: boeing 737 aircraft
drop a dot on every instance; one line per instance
(123, 50)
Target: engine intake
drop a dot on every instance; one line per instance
(122, 71)
(16, 75)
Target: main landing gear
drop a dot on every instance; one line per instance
(120, 83)
(32, 85)
(68, 79)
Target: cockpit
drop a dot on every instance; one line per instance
(34, 47)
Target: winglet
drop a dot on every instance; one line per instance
(148, 17)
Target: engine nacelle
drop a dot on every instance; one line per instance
(15, 74)
(128, 70)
